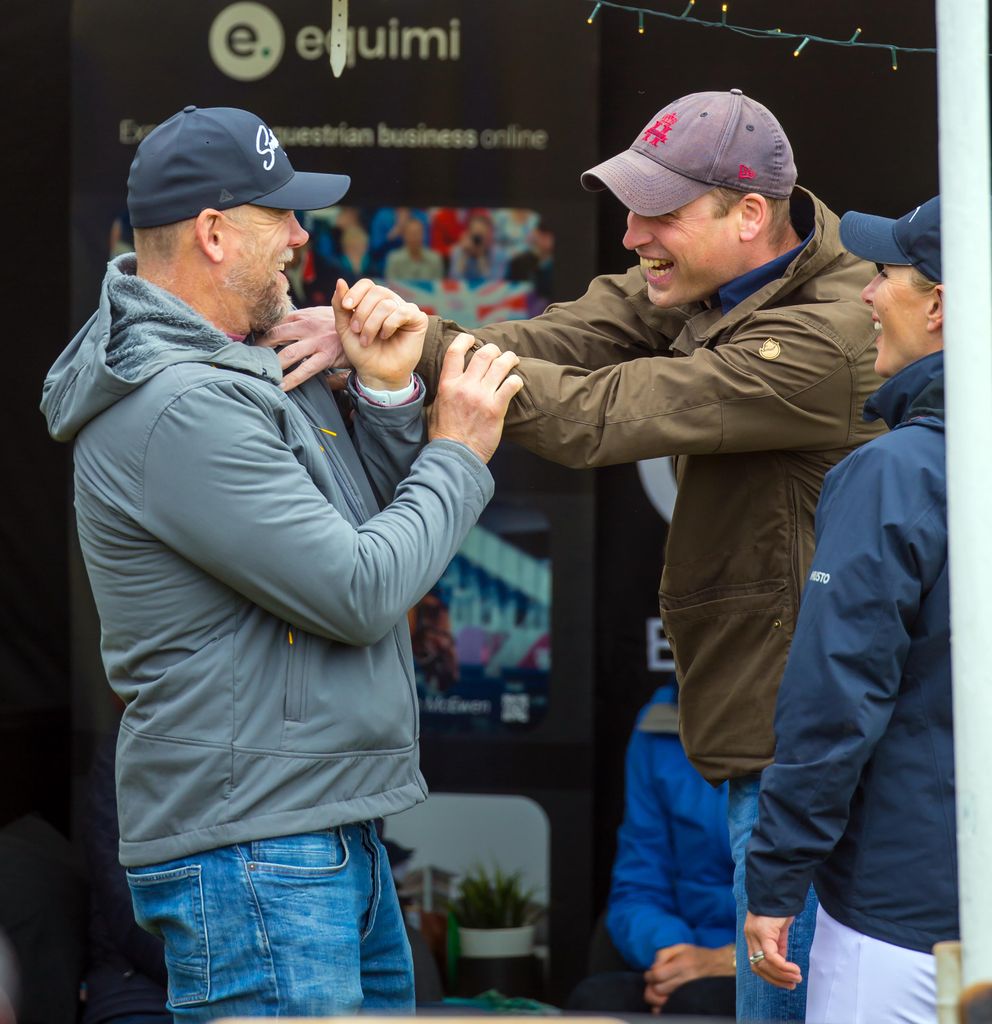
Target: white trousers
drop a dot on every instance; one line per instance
(855, 979)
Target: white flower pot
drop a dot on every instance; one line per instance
(487, 943)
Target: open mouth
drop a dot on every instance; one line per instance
(656, 268)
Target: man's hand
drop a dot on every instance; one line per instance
(472, 400)
(359, 317)
(310, 335)
(675, 965)
(771, 936)
(383, 336)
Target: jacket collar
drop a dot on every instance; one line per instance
(733, 293)
(915, 392)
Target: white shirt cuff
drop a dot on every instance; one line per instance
(388, 397)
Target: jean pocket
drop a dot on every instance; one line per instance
(170, 904)
(307, 855)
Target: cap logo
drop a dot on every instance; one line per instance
(266, 145)
(658, 132)
(770, 349)
(745, 173)
(225, 196)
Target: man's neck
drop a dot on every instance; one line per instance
(207, 298)
(772, 250)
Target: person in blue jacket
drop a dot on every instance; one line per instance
(671, 912)
(860, 799)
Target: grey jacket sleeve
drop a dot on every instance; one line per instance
(239, 504)
(388, 439)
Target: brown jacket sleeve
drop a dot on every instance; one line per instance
(597, 330)
(782, 380)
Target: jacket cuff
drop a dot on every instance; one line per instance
(429, 367)
(387, 416)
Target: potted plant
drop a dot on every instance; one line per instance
(495, 914)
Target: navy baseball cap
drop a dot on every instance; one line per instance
(910, 241)
(219, 157)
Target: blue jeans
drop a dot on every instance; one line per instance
(756, 999)
(296, 926)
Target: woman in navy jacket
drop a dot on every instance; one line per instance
(860, 799)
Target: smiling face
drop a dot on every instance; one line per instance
(908, 318)
(254, 278)
(686, 255)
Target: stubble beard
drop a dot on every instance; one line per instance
(262, 292)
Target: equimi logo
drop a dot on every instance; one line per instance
(247, 41)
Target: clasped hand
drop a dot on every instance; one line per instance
(373, 330)
(367, 327)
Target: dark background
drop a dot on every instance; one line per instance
(865, 137)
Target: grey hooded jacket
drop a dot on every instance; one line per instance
(252, 594)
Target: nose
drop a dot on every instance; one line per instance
(297, 234)
(638, 231)
(868, 292)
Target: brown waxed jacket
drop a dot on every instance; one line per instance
(756, 405)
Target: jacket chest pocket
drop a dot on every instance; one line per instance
(298, 643)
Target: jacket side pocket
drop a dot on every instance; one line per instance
(296, 673)
(729, 644)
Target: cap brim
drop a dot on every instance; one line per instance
(306, 190)
(642, 185)
(872, 238)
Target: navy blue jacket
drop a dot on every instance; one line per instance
(673, 875)
(860, 799)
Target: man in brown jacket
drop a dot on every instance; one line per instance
(738, 345)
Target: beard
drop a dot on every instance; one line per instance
(253, 280)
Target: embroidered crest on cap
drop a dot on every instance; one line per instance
(266, 145)
(770, 349)
(745, 172)
(658, 132)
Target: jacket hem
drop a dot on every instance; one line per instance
(884, 931)
(143, 853)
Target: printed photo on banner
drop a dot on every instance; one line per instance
(482, 636)
(475, 266)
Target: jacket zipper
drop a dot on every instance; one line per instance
(797, 556)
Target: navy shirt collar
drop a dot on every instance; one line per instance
(733, 293)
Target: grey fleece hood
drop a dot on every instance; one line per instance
(108, 359)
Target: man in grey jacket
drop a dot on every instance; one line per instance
(252, 554)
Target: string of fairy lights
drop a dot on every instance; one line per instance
(801, 39)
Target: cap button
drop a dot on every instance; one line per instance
(736, 92)
(189, 109)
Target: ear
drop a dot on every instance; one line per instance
(935, 310)
(212, 234)
(753, 213)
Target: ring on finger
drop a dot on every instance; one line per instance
(755, 958)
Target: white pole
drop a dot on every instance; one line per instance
(962, 73)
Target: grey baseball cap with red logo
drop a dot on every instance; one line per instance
(218, 158)
(702, 141)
